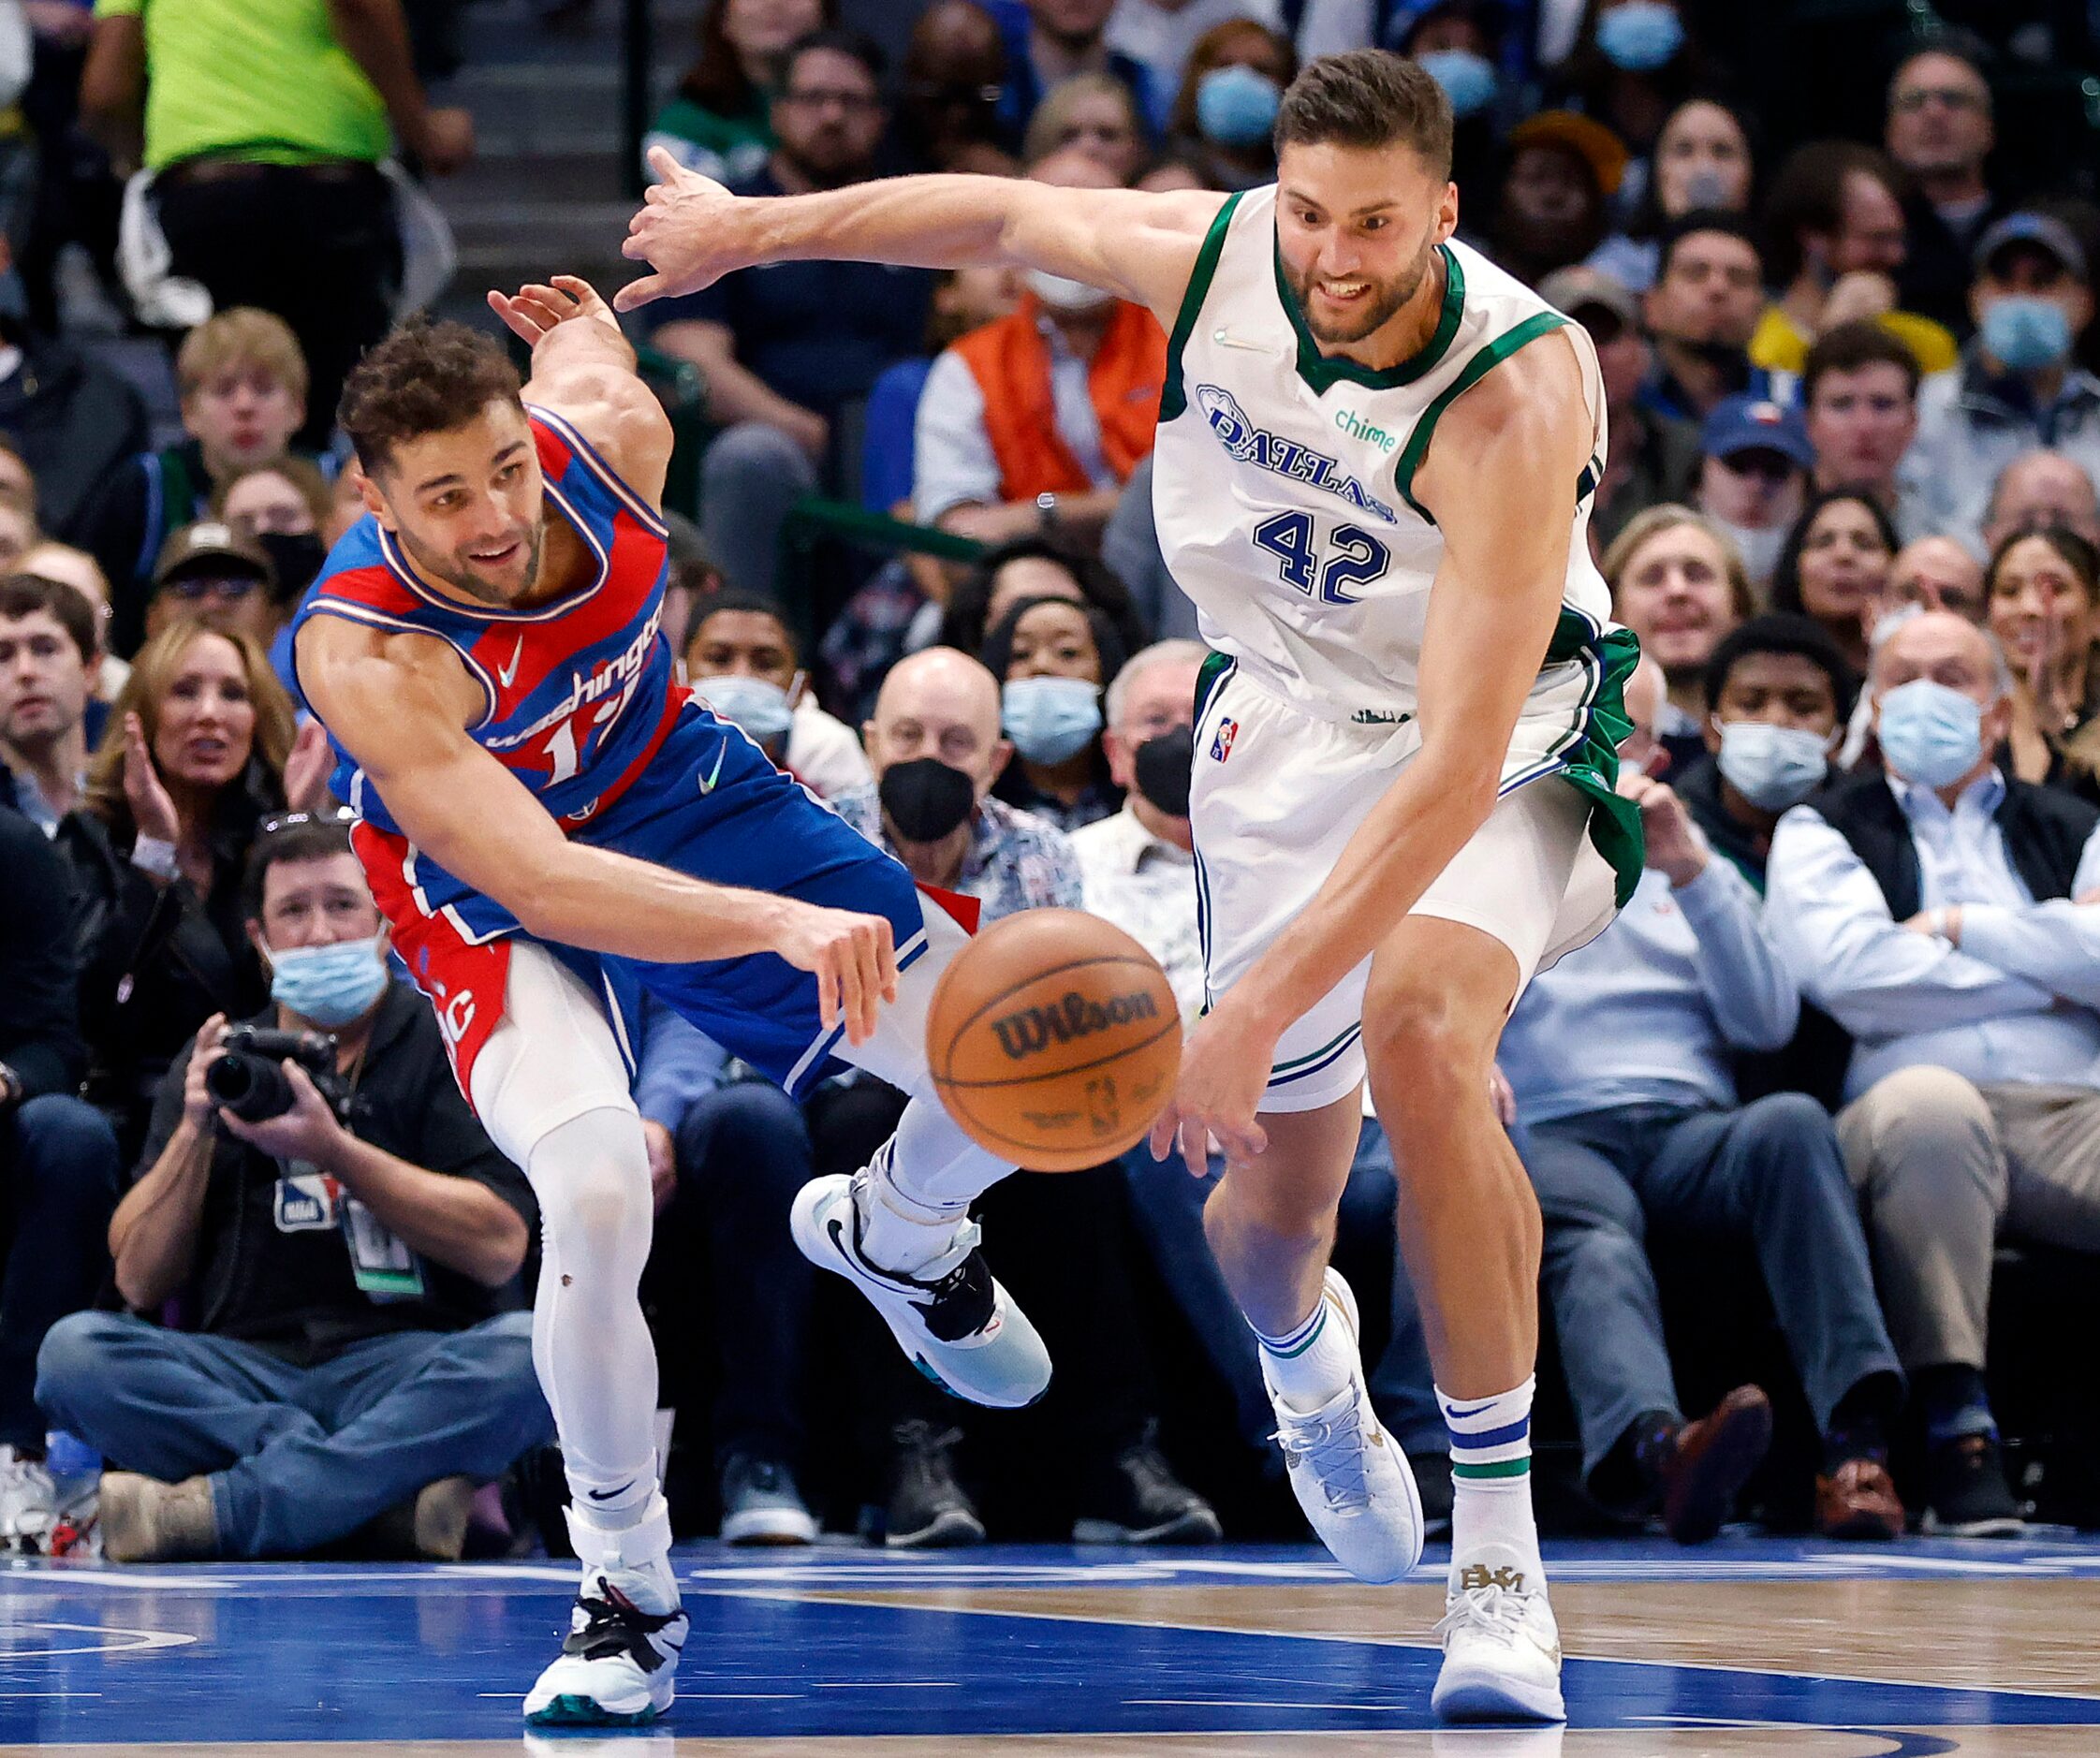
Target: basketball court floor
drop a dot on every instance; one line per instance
(1744, 1648)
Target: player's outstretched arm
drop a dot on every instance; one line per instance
(400, 706)
(1139, 246)
(583, 369)
(1499, 481)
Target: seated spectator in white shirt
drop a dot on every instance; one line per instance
(1942, 912)
(741, 659)
(1629, 1119)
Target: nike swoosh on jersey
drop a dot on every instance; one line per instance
(504, 673)
(708, 781)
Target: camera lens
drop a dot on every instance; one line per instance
(253, 1088)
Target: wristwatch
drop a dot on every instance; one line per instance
(1046, 509)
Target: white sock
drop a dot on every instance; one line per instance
(630, 1549)
(1493, 1527)
(919, 1188)
(1312, 1362)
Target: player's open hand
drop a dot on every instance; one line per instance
(536, 309)
(1224, 1070)
(854, 959)
(684, 231)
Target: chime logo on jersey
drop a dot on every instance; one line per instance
(1221, 740)
(1281, 456)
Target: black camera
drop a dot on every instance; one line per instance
(248, 1080)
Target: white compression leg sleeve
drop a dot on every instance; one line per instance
(551, 1091)
(930, 1172)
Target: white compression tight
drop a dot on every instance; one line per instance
(551, 1091)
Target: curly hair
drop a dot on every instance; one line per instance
(426, 377)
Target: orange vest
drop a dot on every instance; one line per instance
(1011, 362)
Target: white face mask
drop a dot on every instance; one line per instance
(1063, 295)
(1760, 550)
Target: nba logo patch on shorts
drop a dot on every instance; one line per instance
(1221, 740)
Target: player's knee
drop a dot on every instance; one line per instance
(591, 1176)
(1424, 1053)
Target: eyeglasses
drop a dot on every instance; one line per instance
(278, 821)
(1766, 466)
(1953, 96)
(204, 585)
(853, 103)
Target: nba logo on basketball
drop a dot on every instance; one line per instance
(1221, 741)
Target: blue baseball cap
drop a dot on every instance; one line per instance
(2043, 230)
(1748, 424)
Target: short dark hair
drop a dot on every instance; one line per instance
(296, 836)
(1780, 633)
(1368, 97)
(1808, 196)
(2074, 551)
(853, 45)
(728, 599)
(1705, 220)
(426, 377)
(1848, 347)
(23, 595)
(1953, 43)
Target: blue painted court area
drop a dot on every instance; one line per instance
(1122, 1641)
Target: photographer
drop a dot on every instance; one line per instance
(343, 1263)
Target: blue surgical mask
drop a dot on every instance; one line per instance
(1236, 107)
(1468, 80)
(1771, 767)
(1049, 719)
(331, 984)
(1641, 36)
(2025, 334)
(1930, 735)
(760, 707)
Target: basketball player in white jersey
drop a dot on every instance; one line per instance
(1376, 454)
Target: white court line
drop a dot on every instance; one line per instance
(142, 1640)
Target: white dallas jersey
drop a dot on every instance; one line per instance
(1283, 484)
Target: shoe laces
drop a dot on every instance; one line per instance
(1491, 1611)
(1333, 1446)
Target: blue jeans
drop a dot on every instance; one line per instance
(1167, 1206)
(58, 1188)
(743, 1151)
(751, 474)
(1768, 1175)
(298, 1457)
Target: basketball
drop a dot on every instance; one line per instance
(1054, 1040)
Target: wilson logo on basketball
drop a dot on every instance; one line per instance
(1033, 1028)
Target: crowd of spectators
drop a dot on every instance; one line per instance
(1838, 1063)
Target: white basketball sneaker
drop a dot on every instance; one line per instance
(618, 1662)
(1348, 1473)
(1502, 1647)
(958, 1326)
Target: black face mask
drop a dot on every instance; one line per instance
(926, 799)
(1162, 766)
(297, 558)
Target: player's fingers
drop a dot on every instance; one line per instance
(637, 293)
(871, 942)
(1161, 1141)
(853, 999)
(1196, 1140)
(886, 957)
(827, 991)
(668, 169)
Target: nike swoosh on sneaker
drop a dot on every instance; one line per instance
(504, 673)
(707, 781)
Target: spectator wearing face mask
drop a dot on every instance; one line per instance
(1929, 908)
(1834, 567)
(1052, 658)
(1753, 479)
(2036, 489)
(281, 506)
(1781, 695)
(1836, 231)
(1644, 1126)
(2043, 592)
(2018, 388)
(1703, 163)
(1459, 45)
(1632, 65)
(1654, 458)
(741, 660)
(1032, 424)
(1221, 121)
(1162, 34)
(934, 745)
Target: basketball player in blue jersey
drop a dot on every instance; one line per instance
(553, 826)
(1375, 465)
